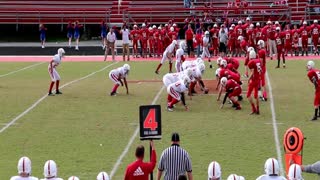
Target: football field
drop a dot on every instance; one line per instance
(86, 131)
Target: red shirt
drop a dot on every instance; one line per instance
(262, 56)
(234, 62)
(304, 32)
(135, 34)
(239, 30)
(258, 33)
(271, 33)
(315, 31)
(189, 34)
(140, 170)
(288, 34)
(172, 35)
(295, 35)
(244, 45)
(255, 65)
(144, 34)
(231, 85)
(229, 74)
(279, 36)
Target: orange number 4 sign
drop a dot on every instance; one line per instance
(150, 122)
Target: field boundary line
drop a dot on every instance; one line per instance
(275, 125)
(126, 149)
(10, 123)
(24, 68)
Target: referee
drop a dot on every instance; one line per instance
(174, 161)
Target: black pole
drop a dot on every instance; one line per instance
(151, 174)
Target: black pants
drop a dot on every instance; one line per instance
(190, 46)
(222, 47)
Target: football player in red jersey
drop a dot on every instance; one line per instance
(151, 31)
(288, 40)
(251, 36)
(144, 40)
(258, 32)
(233, 90)
(304, 33)
(135, 36)
(231, 41)
(214, 37)
(280, 47)
(254, 81)
(262, 56)
(314, 77)
(315, 27)
(239, 32)
(295, 40)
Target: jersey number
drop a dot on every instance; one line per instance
(259, 69)
(150, 121)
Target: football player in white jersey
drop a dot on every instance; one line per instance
(191, 64)
(116, 76)
(54, 75)
(103, 176)
(197, 73)
(272, 170)
(180, 56)
(176, 93)
(205, 47)
(167, 54)
(73, 178)
(50, 171)
(24, 170)
(170, 78)
(214, 171)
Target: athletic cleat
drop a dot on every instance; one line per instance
(314, 118)
(193, 91)
(253, 112)
(58, 92)
(284, 65)
(210, 66)
(277, 67)
(238, 108)
(169, 109)
(50, 94)
(240, 98)
(257, 112)
(113, 94)
(170, 71)
(157, 72)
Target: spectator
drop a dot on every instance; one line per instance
(42, 30)
(103, 176)
(295, 172)
(104, 30)
(140, 170)
(272, 170)
(125, 43)
(198, 38)
(192, 12)
(186, 3)
(76, 34)
(174, 161)
(111, 39)
(73, 178)
(189, 38)
(223, 39)
(24, 170)
(50, 171)
(69, 32)
(214, 171)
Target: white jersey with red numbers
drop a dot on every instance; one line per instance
(175, 89)
(23, 178)
(189, 64)
(179, 59)
(116, 74)
(170, 78)
(196, 73)
(56, 61)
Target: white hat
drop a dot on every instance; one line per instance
(143, 25)
(277, 22)
(305, 22)
(233, 25)
(239, 22)
(50, 169)
(269, 22)
(315, 21)
(214, 170)
(278, 28)
(174, 25)
(257, 24)
(24, 165)
(73, 178)
(135, 26)
(248, 19)
(154, 26)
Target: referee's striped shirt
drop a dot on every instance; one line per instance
(174, 161)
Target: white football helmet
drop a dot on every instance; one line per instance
(257, 24)
(103, 176)
(188, 72)
(295, 172)
(73, 178)
(24, 165)
(271, 167)
(199, 60)
(223, 63)
(215, 25)
(166, 25)
(214, 170)
(223, 81)
(252, 55)
(250, 49)
(231, 28)
(143, 25)
(207, 33)
(126, 67)
(154, 26)
(159, 27)
(150, 28)
(171, 29)
(240, 38)
(277, 28)
(276, 23)
(61, 52)
(233, 177)
(219, 60)
(182, 44)
(241, 178)
(135, 26)
(248, 19)
(174, 42)
(174, 25)
(50, 169)
(269, 22)
(310, 65)
(233, 25)
(186, 80)
(202, 67)
(315, 21)
(261, 43)
(305, 23)
(218, 72)
(251, 26)
(239, 22)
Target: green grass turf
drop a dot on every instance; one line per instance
(70, 128)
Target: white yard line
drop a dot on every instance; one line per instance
(27, 67)
(46, 95)
(275, 126)
(126, 149)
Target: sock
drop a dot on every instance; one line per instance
(192, 85)
(284, 60)
(57, 85)
(253, 108)
(259, 93)
(265, 94)
(315, 112)
(51, 86)
(169, 99)
(258, 109)
(319, 110)
(278, 62)
(170, 67)
(159, 66)
(115, 87)
(173, 102)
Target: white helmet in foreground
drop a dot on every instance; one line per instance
(50, 169)
(310, 65)
(214, 170)
(199, 60)
(61, 52)
(73, 178)
(188, 72)
(250, 49)
(103, 176)
(218, 72)
(252, 55)
(174, 42)
(223, 81)
(240, 38)
(233, 177)
(202, 67)
(219, 60)
(207, 33)
(186, 80)
(261, 43)
(241, 178)
(271, 167)
(24, 165)
(223, 63)
(126, 67)
(295, 172)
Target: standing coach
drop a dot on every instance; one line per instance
(174, 161)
